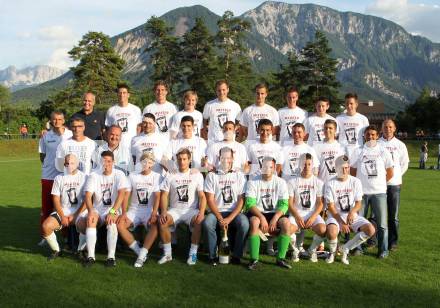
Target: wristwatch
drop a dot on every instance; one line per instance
(112, 211)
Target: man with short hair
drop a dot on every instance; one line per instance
(290, 115)
(47, 147)
(182, 200)
(190, 99)
(83, 147)
(372, 164)
(104, 193)
(224, 189)
(219, 111)
(314, 124)
(253, 114)
(124, 114)
(162, 109)
(93, 119)
(399, 153)
(267, 204)
(67, 195)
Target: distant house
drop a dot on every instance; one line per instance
(375, 112)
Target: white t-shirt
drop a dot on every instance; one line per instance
(239, 150)
(288, 118)
(196, 145)
(252, 115)
(105, 188)
(83, 150)
(127, 118)
(351, 129)
(371, 164)
(327, 153)
(267, 193)
(257, 151)
(183, 189)
(218, 113)
(292, 152)
(315, 128)
(142, 189)
(48, 145)
(305, 192)
(226, 188)
(343, 194)
(163, 113)
(399, 153)
(153, 143)
(198, 122)
(123, 160)
(70, 189)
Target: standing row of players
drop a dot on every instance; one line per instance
(245, 158)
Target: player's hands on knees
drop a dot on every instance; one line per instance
(163, 218)
(110, 219)
(225, 222)
(345, 228)
(153, 219)
(309, 223)
(264, 225)
(350, 217)
(65, 221)
(199, 218)
(300, 222)
(122, 218)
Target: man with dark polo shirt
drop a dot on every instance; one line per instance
(93, 119)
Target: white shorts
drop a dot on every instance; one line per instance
(182, 215)
(358, 222)
(318, 219)
(102, 213)
(139, 215)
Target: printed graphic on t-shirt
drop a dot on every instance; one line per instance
(147, 150)
(182, 193)
(320, 134)
(330, 164)
(370, 166)
(344, 203)
(107, 197)
(123, 124)
(222, 118)
(292, 165)
(227, 194)
(142, 194)
(196, 130)
(71, 194)
(289, 126)
(256, 125)
(350, 135)
(267, 202)
(81, 166)
(260, 161)
(305, 199)
(162, 124)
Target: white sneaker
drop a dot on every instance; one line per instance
(313, 256)
(295, 255)
(344, 258)
(192, 259)
(139, 262)
(165, 259)
(330, 259)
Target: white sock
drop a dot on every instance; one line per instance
(317, 240)
(193, 249)
(167, 249)
(300, 239)
(51, 240)
(82, 242)
(357, 240)
(91, 242)
(112, 238)
(143, 252)
(333, 244)
(293, 241)
(135, 247)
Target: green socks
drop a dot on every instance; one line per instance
(254, 241)
(283, 245)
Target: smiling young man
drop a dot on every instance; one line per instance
(314, 124)
(190, 99)
(290, 115)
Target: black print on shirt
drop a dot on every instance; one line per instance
(71, 194)
(370, 166)
(293, 166)
(350, 134)
(107, 197)
(267, 202)
(142, 195)
(320, 134)
(182, 193)
(123, 124)
(260, 161)
(289, 126)
(344, 203)
(162, 124)
(147, 150)
(227, 194)
(330, 164)
(305, 199)
(222, 118)
(256, 126)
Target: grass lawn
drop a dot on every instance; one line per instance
(409, 277)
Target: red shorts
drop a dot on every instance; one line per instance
(46, 201)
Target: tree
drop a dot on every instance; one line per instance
(5, 95)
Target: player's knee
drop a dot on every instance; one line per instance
(321, 230)
(370, 230)
(284, 225)
(254, 223)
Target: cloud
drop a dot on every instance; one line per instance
(56, 33)
(417, 18)
(60, 59)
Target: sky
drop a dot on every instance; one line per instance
(41, 32)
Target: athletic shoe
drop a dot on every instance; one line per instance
(213, 262)
(283, 263)
(383, 255)
(295, 256)
(252, 266)
(330, 259)
(393, 247)
(192, 259)
(81, 255)
(140, 262)
(110, 262)
(89, 262)
(344, 258)
(53, 256)
(165, 259)
(313, 256)
(235, 260)
(42, 242)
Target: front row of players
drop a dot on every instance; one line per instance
(273, 207)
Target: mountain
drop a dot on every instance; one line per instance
(377, 58)
(16, 79)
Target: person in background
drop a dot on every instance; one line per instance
(423, 155)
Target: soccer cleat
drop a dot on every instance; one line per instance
(331, 258)
(235, 261)
(89, 262)
(344, 258)
(192, 259)
(139, 262)
(313, 256)
(53, 256)
(252, 266)
(283, 263)
(81, 255)
(165, 259)
(213, 262)
(110, 262)
(295, 255)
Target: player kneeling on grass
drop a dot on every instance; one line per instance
(267, 203)
(305, 204)
(344, 196)
(67, 194)
(145, 198)
(105, 190)
(187, 204)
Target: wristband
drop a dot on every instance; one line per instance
(112, 211)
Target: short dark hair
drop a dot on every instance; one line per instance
(229, 122)
(292, 89)
(123, 85)
(226, 149)
(264, 122)
(261, 86)
(77, 119)
(183, 151)
(160, 83)
(220, 82)
(322, 99)
(108, 154)
(351, 95)
(299, 125)
(150, 116)
(309, 156)
(331, 121)
(371, 127)
(187, 118)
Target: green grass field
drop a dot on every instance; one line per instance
(409, 277)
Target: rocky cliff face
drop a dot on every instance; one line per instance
(15, 79)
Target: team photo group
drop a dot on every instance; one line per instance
(234, 177)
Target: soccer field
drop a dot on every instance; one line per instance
(408, 277)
